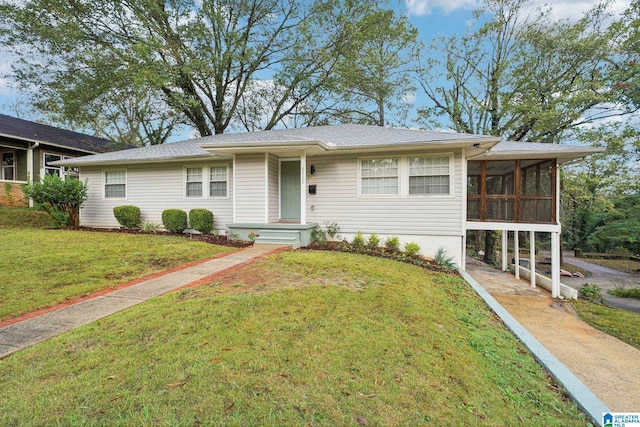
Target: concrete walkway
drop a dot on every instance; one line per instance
(609, 367)
(32, 330)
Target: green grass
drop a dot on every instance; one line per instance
(621, 324)
(626, 265)
(41, 268)
(625, 292)
(297, 338)
(18, 217)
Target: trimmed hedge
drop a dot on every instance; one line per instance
(127, 216)
(174, 220)
(201, 220)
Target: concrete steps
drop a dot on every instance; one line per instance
(279, 237)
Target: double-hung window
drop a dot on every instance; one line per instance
(193, 182)
(115, 184)
(8, 171)
(429, 175)
(379, 176)
(218, 179)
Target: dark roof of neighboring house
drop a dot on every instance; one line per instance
(26, 130)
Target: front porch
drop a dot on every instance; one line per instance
(279, 233)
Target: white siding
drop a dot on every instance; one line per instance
(274, 190)
(433, 221)
(152, 188)
(250, 188)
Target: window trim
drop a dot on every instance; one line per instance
(205, 170)
(403, 176)
(185, 182)
(361, 177)
(449, 157)
(14, 166)
(104, 184)
(63, 171)
(226, 168)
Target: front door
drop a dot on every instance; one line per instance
(290, 190)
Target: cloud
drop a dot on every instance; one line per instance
(575, 9)
(560, 9)
(425, 7)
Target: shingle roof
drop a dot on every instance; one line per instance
(523, 150)
(13, 127)
(329, 138)
(346, 135)
(171, 151)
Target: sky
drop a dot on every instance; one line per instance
(432, 18)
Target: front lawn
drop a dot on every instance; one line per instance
(297, 338)
(621, 324)
(40, 268)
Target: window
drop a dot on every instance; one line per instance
(61, 171)
(115, 184)
(429, 175)
(49, 169)
(194, 182)
(8, 166)
(379, 176)
(218, 181)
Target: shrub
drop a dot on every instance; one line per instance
(358, 242)
(174, 220)
(60, 198)
(590, 292)
(333, 230)
(444, 260)
(392, 244)
(318, 236)
(149, 227)
(412, 249)
(201, 220)
(373, 242)
(127, 216)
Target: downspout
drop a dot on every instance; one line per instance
(30, 173)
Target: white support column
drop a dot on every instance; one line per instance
(266, 188)
(516, 253)
(505, 249)
(555, 265)
(303, 188)
(30, 170)
(532, 257)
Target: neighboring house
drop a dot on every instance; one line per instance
(27, 150)
(422, 186)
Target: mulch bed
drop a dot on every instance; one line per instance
(207, 238)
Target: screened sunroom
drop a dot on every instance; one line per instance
(515, 188)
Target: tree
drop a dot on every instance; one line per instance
(592, 189)
(197, 60)
(60, 198)
(519, 75)
(373, 80)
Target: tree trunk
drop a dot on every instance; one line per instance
(490, 242)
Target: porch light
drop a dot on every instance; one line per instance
(312, 170)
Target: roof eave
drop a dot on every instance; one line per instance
(561, 156)
(120, 162)
(52, 144)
